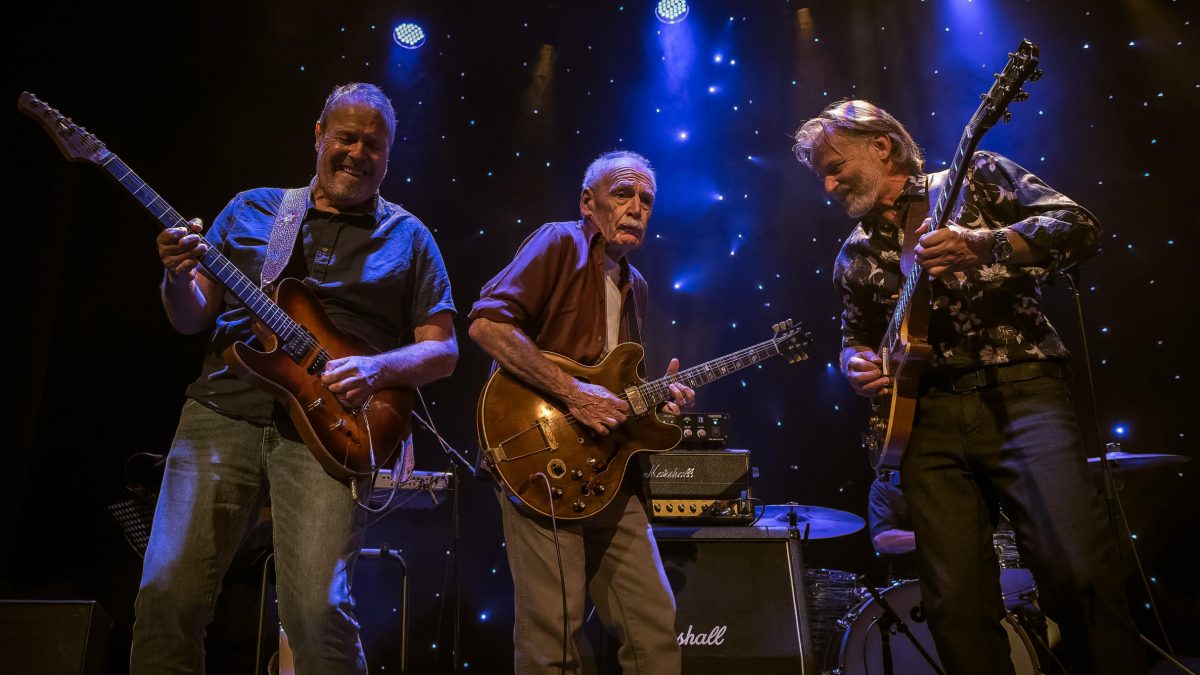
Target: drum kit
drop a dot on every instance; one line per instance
(857, 629)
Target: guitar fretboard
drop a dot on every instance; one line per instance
(658, 391)
(224, 271)
(954, 180)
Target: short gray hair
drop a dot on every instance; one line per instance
(862, 120)
(601, 165)
(360, 92)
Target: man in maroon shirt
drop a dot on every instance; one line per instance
(570, 289)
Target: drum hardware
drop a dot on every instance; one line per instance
(858, 644)
(889, 621)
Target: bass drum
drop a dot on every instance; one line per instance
(856, 649)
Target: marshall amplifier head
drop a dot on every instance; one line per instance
(698, 486)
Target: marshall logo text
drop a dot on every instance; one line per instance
(656, 471)
(712, 638)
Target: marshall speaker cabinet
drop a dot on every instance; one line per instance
(740, 597)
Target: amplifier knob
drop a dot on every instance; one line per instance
(669, 509)
(702, 433)
(657, 507)
(687, 433)
(693, 508)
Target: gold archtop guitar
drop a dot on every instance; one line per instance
(525, 434)
(297, 335)
(905, 349)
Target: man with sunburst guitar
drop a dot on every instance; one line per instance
(376, 321)
(989, 420)
(571, 292)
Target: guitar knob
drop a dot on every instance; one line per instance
(598, 489)
(557, 492)
(579, 506)
(576, 474)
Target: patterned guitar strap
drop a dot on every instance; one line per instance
(284, 230)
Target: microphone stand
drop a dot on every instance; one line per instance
(885, 624)
(457, 461)
(1112, 501)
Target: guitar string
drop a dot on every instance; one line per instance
(256, 298)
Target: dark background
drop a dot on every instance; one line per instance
(494, 132)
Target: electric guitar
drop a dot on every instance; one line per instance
(905, 349)
(524, 434)
(298, 337)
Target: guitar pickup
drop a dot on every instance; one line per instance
(543, 423)
(637, 402)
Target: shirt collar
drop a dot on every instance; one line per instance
(596, 241)
(375, 205)
(914, 189)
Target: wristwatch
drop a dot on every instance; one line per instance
(1001, 248)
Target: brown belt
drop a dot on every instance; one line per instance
(987, 376)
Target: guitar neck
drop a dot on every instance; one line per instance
(217, 265)
(938, 216)
(659, 390)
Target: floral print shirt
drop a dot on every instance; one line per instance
(989, 315)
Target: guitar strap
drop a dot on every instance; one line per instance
(917, 213)
(284, 230)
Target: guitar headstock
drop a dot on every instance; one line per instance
(1021, 67)
(73, 141)
(792, 339)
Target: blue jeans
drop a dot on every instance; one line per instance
(1016, 445)
(219, 474)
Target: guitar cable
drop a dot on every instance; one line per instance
(562, 577)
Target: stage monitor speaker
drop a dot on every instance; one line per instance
(740, 599)
(53, 637)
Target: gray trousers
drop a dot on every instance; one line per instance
(613, 558)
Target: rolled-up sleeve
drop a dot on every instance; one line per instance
(1060, 232)
(518, 294)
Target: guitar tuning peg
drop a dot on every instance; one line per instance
(1036, 75)
(789, 323)
(1022, 96)
(1007, 116)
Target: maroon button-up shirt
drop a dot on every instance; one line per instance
(553, 290)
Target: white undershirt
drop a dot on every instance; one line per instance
(612, 302)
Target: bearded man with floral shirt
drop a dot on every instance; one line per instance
(994, 425)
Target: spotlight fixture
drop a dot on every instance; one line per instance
(671, 11)
(408, 35)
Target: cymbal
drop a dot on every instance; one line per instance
(1131, 461)
(818, 522)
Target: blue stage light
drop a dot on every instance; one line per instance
(409, 35)
(1120, 430)
(671, 11)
